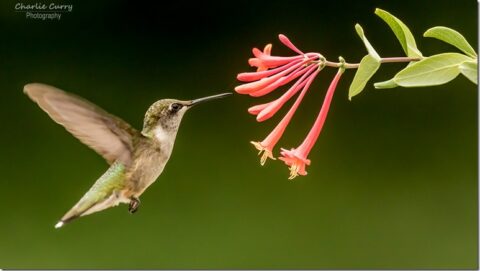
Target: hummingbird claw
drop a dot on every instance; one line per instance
(133, 206)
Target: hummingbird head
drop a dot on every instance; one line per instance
(164, 116)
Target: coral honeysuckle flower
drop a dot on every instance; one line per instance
(289, 44)
(296, 158)
(272, 73)
(266, 146)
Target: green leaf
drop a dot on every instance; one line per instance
(431, 71)
(385, 84)
(452, 37)
(470, 70)
(368, 66)
(369, 47)
(402, 33)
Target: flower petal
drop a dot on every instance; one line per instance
(257, 53)
(295, 161)
(265, 151)
(268, 49)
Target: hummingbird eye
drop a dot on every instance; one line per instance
(175, 107)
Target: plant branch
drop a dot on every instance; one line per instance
(398, 59)
(382, 60)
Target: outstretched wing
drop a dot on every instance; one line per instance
(108, 135)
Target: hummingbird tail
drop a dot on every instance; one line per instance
(104, 193)
(77, 211)
(84, 207)
(64, 221)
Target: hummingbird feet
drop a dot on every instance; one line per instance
(134, 203)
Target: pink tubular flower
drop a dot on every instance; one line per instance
(272, 73)
(288, 43)
(267, 145)
(296, 159)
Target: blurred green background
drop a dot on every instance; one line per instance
(393, 180)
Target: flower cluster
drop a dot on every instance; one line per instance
(272, 73)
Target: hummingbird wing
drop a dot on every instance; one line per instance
(108, 135)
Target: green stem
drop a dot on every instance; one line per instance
(398, 59)
(382, 60)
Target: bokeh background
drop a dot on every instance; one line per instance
(393, 180)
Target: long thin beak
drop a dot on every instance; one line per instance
(209, 98)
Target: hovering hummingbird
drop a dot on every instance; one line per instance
(136, 158)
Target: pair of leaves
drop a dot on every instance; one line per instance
(429, 71)
(438, 69)
(371, 62)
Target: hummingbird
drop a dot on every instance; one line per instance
(136, 158)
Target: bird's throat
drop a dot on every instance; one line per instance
(165, 137)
